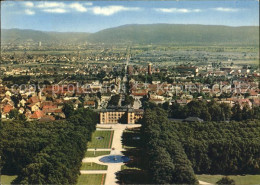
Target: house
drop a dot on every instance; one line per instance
(22, 103)
(157, 99)
(253, 94)
(33, 99)
(8, 93)
(244, 102)
(37, 115)
(90, 104)
(6, 109)
(7, 100)
(34, 106)
(21, 110)
(139, 93)
(183, 102)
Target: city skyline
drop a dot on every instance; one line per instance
(87, 16)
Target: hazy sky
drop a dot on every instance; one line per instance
(87, 16)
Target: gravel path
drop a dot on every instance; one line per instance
(112, 168)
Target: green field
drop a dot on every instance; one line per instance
(91, 179)
(97, 153)
(239, 180)
(93, 166)
(105, 142)
(7, 179)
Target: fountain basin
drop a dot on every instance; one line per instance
(114, 159)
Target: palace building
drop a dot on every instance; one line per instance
(120, 115)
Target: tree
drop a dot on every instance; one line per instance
(46, 82)
(144, 100)
(162, 167)
(68, 109)
(166, 106)
(99, 95)
(237, 112)
(13, 114)
(114, 101)
(123, 119)
(226, 181)
(247, 113)
(215, 111)
(129, 100)
(166, 159)
(16, 99)
(226, 111)
(21, 117)
(48, 153)
(256, 111)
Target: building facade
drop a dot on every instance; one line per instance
(150, 69)
(120, 115)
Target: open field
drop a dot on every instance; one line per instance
(239, 180)
(91, 179)
(105, 140)
(93, 166)
(97, 153)
(7, 179)
(247, 62)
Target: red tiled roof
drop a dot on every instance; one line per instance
(89, 103)
(33, 99)
(253, 93)
(37, 114)
(47, 103)
(49, 107)
(7, 108)
(32, 104)
(57, 110)
(139, 92)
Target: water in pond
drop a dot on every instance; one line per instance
(114, 159)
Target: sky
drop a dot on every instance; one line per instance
(88, 16)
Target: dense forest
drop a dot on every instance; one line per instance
(177, 150)
(213, 111)
(46, 152)
(208, 111)
(220, 147)
(165, 156)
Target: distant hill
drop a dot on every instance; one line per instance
(179, 34)
(18, 36)
(145, 34)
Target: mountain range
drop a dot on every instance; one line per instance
(144, 34)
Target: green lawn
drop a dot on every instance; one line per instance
(105, 142)
(124, 167)
(93, 166)
(91, 179)
(97, 153)
(239, 180)
(7, 179)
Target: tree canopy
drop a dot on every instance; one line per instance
(46, 152)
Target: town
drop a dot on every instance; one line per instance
(130, 92)
(38, 86)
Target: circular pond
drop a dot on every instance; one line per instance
(114, 159)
